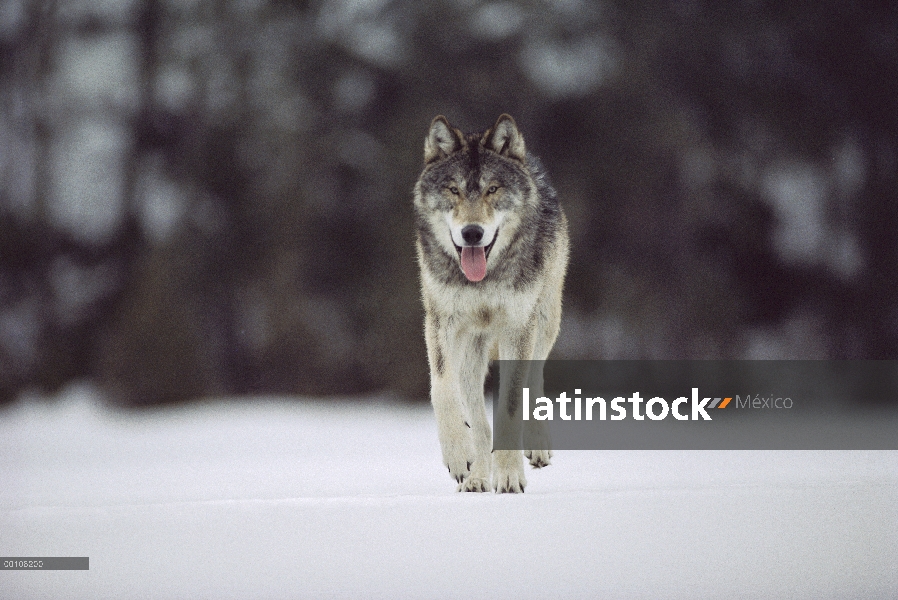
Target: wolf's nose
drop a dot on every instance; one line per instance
(472, 234)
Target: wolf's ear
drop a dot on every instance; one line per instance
(442, 140)
(505, 139)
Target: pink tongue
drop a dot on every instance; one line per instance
(473, 263)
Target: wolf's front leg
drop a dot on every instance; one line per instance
(456, 441)
(452, 421)
(508, 462)
(470, 362)
(547, 320)
(474, 363)
(536, 433)
(538, 453)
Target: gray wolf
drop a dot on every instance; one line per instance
(492, 247)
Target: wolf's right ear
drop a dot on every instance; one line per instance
(505, 139)
(442, 140)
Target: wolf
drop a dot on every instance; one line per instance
(492, 245)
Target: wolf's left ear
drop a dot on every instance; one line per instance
(442, 140)
(505, 139)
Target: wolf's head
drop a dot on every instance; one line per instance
(473, 192)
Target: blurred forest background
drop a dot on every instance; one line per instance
(214, 196)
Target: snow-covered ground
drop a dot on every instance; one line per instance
(272, 498)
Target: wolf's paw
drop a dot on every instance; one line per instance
(474, 484)
(508, 472)
(459, 467)
(539, 458)
(509, 483)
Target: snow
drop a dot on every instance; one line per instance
(292, 498)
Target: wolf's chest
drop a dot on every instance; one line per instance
(486, 309)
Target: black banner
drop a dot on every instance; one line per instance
(45, 563)
(700, 405)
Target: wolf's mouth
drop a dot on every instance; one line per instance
(486, 249)
(473, 258)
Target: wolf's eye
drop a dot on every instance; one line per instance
(493, 189)
(453, 189)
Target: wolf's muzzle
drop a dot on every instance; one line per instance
(473, 255)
